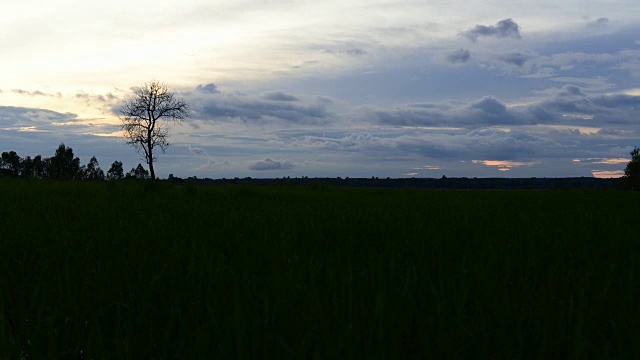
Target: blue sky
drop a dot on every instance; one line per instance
(333, 88)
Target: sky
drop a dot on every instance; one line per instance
(332, 88)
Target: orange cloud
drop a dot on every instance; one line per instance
(607, 161)
(606, 174)
(505, 165)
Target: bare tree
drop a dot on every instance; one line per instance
(144, 119)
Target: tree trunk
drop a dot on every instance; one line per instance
(150, 159)
(151, 172)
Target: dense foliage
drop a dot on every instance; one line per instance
(295, 272)
(632, 171)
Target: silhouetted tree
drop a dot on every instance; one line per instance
(11, 163)
(40, 167)
(26, 167)
(138, 172)
(632, 171)
(63, 166)
(92, 171)
(115, 171)
(144, 117)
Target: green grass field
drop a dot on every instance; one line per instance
(145, 270)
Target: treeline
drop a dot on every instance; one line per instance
(63, 165)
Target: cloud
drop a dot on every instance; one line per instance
(506, 28)
(591, 84)
(460, 56)
(210, 163)
(36, 119)
(352, 52)
(572, 106)
(270, 108)
(210, 88)
(89, 98)
(428, 167)
(633, 66)
(567, 105)
(269, 164)
(197, 151)
(279, 96)
(571, 90)
(505, 165)
(598, 23)
(606, 174)
(626, 60)
(488, 143)
(489, 105)
(352, 142)
(34, 93)
(514, 58)
(605, 161)
(487, 110)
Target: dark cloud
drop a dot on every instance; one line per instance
(506, 28)
(485, 111)
(568, 105)
(571, 90)
(269, 164)
(279, 96)
(489, 105)
(352, 142)
(20, 116)
(458, 57)
(486, 143)
(274, 107)
(108, 97)
(19, 119)
(354, 52)
(599, 22)
(210, 88)
(34, 93)
(514, 58)
(572, 106)
(196, 151)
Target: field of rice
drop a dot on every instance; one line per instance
(155, 270)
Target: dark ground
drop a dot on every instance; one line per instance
(428, 183)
